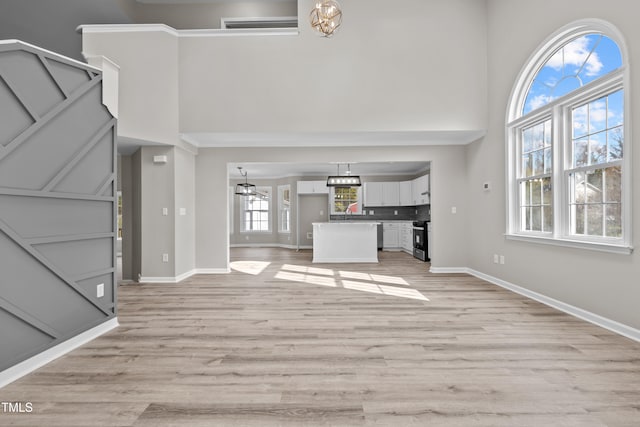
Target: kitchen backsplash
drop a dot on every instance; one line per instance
(405, 213)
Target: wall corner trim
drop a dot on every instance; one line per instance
(596, 319)
(25, 367)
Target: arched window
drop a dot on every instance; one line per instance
(568, 143)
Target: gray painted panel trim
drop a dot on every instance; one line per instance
(92, 274)
(110, 180)
(5, 228)
(16, 93)
(45, 63)
(68, 238)
(54, 195)
(28, 319)
(51, 115)
(80, 155)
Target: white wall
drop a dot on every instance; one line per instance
(148, 82)
(416, 66)
(604, 284)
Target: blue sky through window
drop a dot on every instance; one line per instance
(577, 63)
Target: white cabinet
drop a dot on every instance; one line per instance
(390, 194)
(420, 190)
(390, 235)
(406, 236)
(405, 196)
(312, 187)
(382, 193)
(373, 194)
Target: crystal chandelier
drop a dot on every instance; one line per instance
(326, 17)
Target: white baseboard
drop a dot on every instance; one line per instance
(25, 367)
(596, 319)
(450, 270)
(212, 270)
(588, 316)
(183, 276)
(262, 245)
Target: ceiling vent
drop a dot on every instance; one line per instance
(259, 23)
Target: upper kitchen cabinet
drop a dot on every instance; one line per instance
(420, 190)
(406, 193)
(312, 187)
(382, 194)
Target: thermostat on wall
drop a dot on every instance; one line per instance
(159, 159)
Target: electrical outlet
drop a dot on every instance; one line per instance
(501, 259)
(395, 212)
(165, 257)
(370, 211)
(495, 258)
(100, 290)
(454, 209)
(165, 211)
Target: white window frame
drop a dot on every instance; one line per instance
(231, 200)
(559, 111)
(284, 209)
(262, 191)
(332, 205)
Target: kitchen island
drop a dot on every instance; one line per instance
(348, 241)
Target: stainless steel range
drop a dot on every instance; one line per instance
(420, 240)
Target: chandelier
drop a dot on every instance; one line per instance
(326, 17)
(245, 189)
(345, 181)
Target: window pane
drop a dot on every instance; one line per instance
(615, 139)
(594, 186)
(594, 220)
(580, 127)
(613, 184)
(527, 216)
(527, 164)
(597, 115)
(547, 160)
(578, 185)
(536, 218)
(547, 194)
(538, 162)
(598, 148)
(615, 109)
(547, 218)
(614, 220)
(527, 140)
(547, 133)
(578, 219)
(538, 136)
(580, 152)
(536, 192)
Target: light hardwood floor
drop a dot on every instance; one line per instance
(284, 342)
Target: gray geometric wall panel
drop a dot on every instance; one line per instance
(57, 201)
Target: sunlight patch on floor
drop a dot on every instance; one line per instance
(249, 267)
(394, 280)
(353, 280)
(306, 278)
(307, 269)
